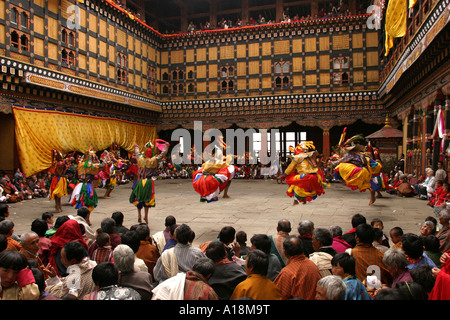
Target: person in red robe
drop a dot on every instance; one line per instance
(441, 289)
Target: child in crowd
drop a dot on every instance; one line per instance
(343, 265)
(104, 252)
(396, 236)
(241, 238)
(377, 223)
(48, 217)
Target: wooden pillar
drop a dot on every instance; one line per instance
(279, 8)
(424, 141)
(326, 143)
(213, 13)
(352, 6)
(314, 9)
(244, 12)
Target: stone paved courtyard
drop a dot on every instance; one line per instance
(254, 206)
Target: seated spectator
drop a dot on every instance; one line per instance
(436, 194)
(378, 240)
(366, 255)
(79, 281)
(30, 248)
(397, 264)
(58, 223)
(48, 218)
(425, 190)
(440, 290)
(257, 286)
(241, 238)
(412, 245)
(299, 278)
(442, 198)
(131, 239)
(119, 229)
(404, 187)
(40, 227)
(9, 191)
(180, 258)
(283, 230)
(107, 225)
(330, 288)
(83, 217)
(423, 275)
(322, 241)
(40, 282)
(349, 236)
(106, 277)
(196, 285)
(103, 251)
(17, 281)
(378, 224)
(263, 243)
(431, 249)
(227, 274)
(427, 228)
(188, 286)
(435, 222)
(444, 233)
(147, 251)
(67, 232)
(172, 241)
(411, 290)
(343, 265)
(129, 277)
(396, 234)
(305, 230)
(7, 230)
(339, 244)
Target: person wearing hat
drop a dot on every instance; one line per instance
(58, 187)
(356, 168)
(303, 175)
(143, 190)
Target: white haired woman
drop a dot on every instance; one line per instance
(141, 281)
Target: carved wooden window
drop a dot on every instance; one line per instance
(20, 40)
(177, 81)
(14, 16)
(24, 19)
(281, 71)
(341, 62)
(227, 81)
(341, 78)
(14, 39)
(151, 82)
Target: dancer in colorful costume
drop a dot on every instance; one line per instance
(108, 174)
(379, 180)
(143, 190)
(84, 193)
(354, 167)
(303, 175)
(213, 177)
(58, 187)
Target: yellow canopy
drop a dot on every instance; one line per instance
(38, 132)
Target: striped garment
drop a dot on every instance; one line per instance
(196, 288)
(186, 256)
(102, 255)
(298, 279)
(366, 255)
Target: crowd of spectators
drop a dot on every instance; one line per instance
(330, 12)
(118, 262)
